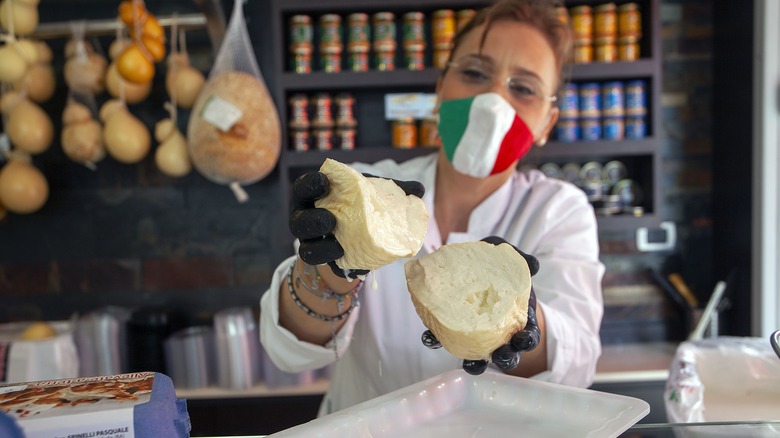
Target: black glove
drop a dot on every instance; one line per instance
(314, 226)
(506, 357)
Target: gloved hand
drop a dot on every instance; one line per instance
(314, 226)
(507, 356)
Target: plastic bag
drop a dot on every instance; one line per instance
(234, 129)
(724, 379)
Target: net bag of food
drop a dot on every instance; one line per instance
(234, 130)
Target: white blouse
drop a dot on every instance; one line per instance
(379, 347)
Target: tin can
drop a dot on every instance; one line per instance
(636, 127)
(443, 27)
(567, 130)
(414, 28)
(551, 170)
(563, 14)
(428, 132)
(636, 98)
(590, 100)
(300, 30)
(357, 60)
(590, 129)
(628, 48)
(605, 21)
(299, 111)
(359, 30)
(345, 110)
(613, 171)
(323, 117)
(441, 57)
(582, 23)
(582, 52)
(464, 16)
(414, 56)
(299, 140)
(591, 172)
(569, 106)
(330, 58)
(323, 138)
(384, 60)
(613, 128)
(571, 173)
(404, 133)
(384, 28)
(629, 20)
(346, 138)
(629, 191)
(330, 29)
(605, 50)
(612, 102)
(300, 59)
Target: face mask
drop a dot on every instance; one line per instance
(482, 135)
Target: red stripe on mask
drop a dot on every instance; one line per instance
(517, 142)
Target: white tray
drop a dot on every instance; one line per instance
(455, 404)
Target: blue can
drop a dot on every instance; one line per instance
(570, 101)
(613, 128)
(567, 130)
(636, 127)
(590, 100)
(636, 98)
(590, 129)
(612, 99)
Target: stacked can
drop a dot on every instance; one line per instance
(590, 111)
(299, 122)
(358, 41)
(301, 45)
(567, 128)
(443, 31)
(384, 40)
(629, 31)
(346, 124)
(612, 110)
(404, 133)
(582, 25)
(464, 16)
(636, 109)
(428, 132)
(331, 45)
(322, 123)
(605, 32)
(414, 40)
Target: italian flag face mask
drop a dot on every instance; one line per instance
(482, 135)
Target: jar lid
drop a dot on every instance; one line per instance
(606, 7)
(628, 7)
(330, 19)
(357, 17)
(444, 13)
(384, 16)
(414, 15)
(584, 9)
(300, 19)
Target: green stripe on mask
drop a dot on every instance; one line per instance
(453, 119)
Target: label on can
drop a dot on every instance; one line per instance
(330, 62)
(590, 100)
(414, 27)
(404, 133)
(636, 98)
(429, 132)
(346, 138)
(330, 29)
(299, 139)
(629, 20)
(464, 17)
(300, 29)
(443, 27)
(323, 139)
(359, 29)
(590, 129)
(441, 57)
(613, 128)
(628, 49)
(567, 130)
(605, 21)
(605, 51)
(582, 53)
(612, 99)
(582, 22)
(569, 106)
(385, 60)
(636, 127)
(358, 60)
(384, 26)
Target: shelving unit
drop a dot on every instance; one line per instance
(642, 156)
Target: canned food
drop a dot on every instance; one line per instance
(345, 110)
(613, 171)
(385, 60)
(300, 59)
(443, 28)
(323, 138)
(605, 21)
(582, 52)
(299, 111)
(330, 29)
(629, 20)
(582, 22)
(464, 16)
(590, 129)
(612, 103)
(414, 28)
(414, 56)
(299, 139)
(567, 130)
(428, 132)
(629, 191)
(359, 29)
(569, 106)
(441, 57)
(384, 28)
(636, 127)
(563, 14)
(613, 128)
(358, 56)
(404, 133)
(300, 29)
(346, 138)
(590, 100)
(593, 190)
(571, 173)
(322, 111)
(628, 48)
(605, 50)
(330, 58)
(551, 170)
(591, 172)
(636, 98)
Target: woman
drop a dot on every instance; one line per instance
(494, 101)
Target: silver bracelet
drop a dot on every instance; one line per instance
(311, 312)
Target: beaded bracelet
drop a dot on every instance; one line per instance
(311, 312)
(327, 293)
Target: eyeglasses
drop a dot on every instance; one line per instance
(524, 90)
